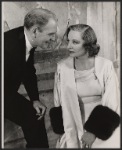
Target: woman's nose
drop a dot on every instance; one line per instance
(69, 46)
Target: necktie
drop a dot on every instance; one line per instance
(31, 57)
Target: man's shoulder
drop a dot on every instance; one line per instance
(15, 31)
(12, 38)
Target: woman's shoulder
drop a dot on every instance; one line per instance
(103, 60)
(102, 64)
(64, 61)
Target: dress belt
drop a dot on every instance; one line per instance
(91, 99)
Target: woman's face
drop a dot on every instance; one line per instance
(75, 44)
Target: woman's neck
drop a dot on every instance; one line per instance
(83, 62)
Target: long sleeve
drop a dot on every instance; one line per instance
(56, 112)
(30, 79)
(16, 70)
(57, 93)
(30, 83)
(111, 97)
(103, 120)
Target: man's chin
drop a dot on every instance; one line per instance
(44, 49)
(47, 47)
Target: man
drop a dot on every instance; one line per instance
(40, 27)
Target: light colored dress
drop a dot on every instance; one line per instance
(68, 94)
(89, 92)
(89, 96)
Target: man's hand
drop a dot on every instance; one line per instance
(88, 139)
(40, 108)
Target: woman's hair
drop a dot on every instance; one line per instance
(89, 37)
(39, 17)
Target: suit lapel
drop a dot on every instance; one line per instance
(22, 45)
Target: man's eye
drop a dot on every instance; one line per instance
(51, 34)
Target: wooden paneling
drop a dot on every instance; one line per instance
(102, 17)
(118, 32)
(50, 56)
(109, 31)
(94, 19)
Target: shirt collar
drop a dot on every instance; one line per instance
(28, 44)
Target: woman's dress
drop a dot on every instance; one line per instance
(79, 92)
(89, 96)
(89, 91)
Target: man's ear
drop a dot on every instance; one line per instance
(34, 31)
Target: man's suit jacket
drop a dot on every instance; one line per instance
(16, 69)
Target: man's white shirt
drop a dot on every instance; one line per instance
(28, 46)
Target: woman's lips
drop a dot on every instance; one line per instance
(71, 52)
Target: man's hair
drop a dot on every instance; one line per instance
(39, 17)
(89, 37)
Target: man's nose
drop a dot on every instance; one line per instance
(53, 37)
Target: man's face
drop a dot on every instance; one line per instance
(47, 37)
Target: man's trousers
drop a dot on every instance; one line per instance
(21, 111)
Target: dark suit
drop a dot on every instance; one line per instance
(16, 71)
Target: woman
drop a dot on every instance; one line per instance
(82, 82)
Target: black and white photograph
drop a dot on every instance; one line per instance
(60, 74)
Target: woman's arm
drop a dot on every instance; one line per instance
(111, 97)
(102, 123)
(56, 112)
(57, 94)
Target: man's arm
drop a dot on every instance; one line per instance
(30, 83)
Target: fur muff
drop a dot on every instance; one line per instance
(56, 120)
(102, 122)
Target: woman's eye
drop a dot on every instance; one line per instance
(75, 42)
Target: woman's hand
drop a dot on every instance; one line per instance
(88, 139)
